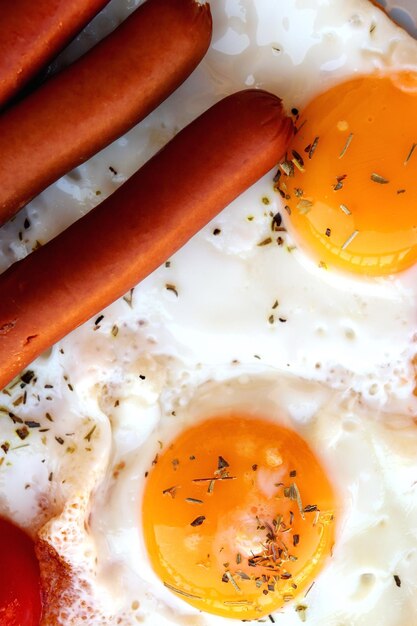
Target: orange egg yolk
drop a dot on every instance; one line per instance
(238, 516)
(349, 181)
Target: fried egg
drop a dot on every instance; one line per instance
(235, 438)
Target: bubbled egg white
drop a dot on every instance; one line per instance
(227, 320)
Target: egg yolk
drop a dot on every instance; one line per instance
(238, 516)
(349, 180)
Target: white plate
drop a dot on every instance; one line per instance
(404, 12)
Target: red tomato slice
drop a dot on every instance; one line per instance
(20, 595)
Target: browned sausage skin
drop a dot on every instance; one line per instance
(32, 32)
(98, 98)
(117, 244)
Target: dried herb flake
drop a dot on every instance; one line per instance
(377, 178)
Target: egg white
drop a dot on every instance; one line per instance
(335, 362)
(371, 463)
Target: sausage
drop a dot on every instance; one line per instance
(98, 98)
(32, 32)
(109, 250)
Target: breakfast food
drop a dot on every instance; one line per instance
(167, 201)
(240, 323)
(20, 588)
(349, 203)
(99, 97)
(234, 536)
(32, 33)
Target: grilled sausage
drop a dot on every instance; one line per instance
(32, 32)
(105, 253)
(98, 98)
